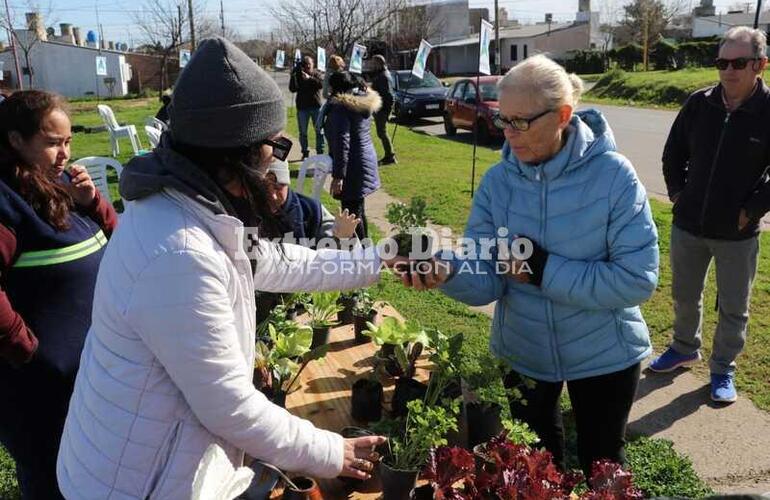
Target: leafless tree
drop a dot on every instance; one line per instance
(165, 29)
(336, 24)
(26, 39)
(412, 24)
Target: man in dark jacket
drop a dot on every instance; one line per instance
(382, 83)
(715, 166)
(307, 83)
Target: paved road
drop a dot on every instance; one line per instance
(640, 134)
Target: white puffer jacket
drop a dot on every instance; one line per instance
(167, 365)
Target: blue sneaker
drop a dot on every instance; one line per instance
(671, 360)
(723, 388)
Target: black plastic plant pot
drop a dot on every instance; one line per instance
(275, 397)
(407, 389)
(345, 316)
(424, 492)
(484, 422)
(367, 400)
(371, 485)
(320, 336)
(307, 489)
(397, 484)
(359, 326)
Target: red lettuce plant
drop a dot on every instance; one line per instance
(610, 482)
(516, 472)
(448, 468)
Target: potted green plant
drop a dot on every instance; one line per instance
(425, 428)
(347, 302)
(322, 310)
(410, 221)
(277, 368)
(363, 313)
(401, 344)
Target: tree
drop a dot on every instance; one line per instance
(165, 28)
(412, 24)
(25, 39)
(335, 24)
(646, 20)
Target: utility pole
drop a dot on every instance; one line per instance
(497, 40)
(192, 25)
(179, 24)
(645, 36)
(756, 14)
(222, 16)
(12, 39)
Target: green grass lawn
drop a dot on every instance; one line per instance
(98, 144)
(667, 89)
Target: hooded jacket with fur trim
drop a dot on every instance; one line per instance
(347, 127)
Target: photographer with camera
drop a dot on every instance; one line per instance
(307, 83)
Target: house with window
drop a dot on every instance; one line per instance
(518, 42)
(67, 63)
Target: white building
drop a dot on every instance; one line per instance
(65, 67)
(518, 42)
(703, 27)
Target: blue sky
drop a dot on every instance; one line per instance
(249, 17)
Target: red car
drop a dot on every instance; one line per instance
(461, 105)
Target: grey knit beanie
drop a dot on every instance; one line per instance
(222, 99)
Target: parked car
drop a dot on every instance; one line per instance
(415, 98)
(461, 109)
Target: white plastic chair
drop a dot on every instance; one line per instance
(97, 169)
(151, 121)
(321, 167)
(117, 131)
(153, 135)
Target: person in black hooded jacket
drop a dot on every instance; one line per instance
(348, 131)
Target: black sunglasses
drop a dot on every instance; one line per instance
(281, 147)
(737, 63)
(520, 124)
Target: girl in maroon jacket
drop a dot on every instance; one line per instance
(54, 225)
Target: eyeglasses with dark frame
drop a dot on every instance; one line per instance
(517, 123)
(281, 147)
(737, 63)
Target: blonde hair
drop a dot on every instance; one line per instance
(336, 63)
(544, 80)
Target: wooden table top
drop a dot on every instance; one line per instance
(325, 392)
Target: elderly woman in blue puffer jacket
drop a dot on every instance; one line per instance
(586, 257)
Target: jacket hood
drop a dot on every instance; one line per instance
(365, 104)
(165, 168)
(589, 135)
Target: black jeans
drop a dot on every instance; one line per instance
(601, 406)
(381, 123)
(357, 207)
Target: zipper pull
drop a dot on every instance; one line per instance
(537, 175)
(727, 117)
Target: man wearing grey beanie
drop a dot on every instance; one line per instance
(167, 367)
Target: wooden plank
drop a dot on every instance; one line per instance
(325, 391)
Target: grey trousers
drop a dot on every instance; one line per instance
(736, 266)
